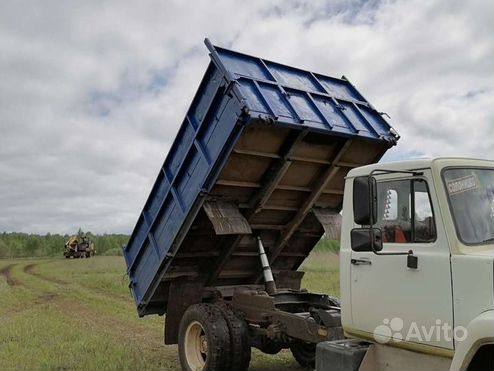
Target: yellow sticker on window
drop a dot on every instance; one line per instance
(464, 184)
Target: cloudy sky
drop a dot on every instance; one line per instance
(92, 92)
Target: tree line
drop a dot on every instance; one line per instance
(22, 245)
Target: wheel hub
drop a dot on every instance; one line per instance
(204, 344)
(196, 346)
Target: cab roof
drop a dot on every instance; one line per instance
(421, 163)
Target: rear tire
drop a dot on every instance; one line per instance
(239, 340)
(204, 339)
(304, 353)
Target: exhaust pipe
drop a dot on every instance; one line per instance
(269, 283)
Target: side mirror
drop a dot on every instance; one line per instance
(360, 239)
(364, 200)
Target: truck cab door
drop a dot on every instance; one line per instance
(389, 299)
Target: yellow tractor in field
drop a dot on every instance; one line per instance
(79, 247)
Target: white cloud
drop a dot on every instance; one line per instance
(92, 94)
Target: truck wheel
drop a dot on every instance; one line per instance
(268, 346)
(239, 340)
(204, 339)
(304, 353)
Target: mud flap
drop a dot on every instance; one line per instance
(226, 218)
(183, 293)
(330, 221)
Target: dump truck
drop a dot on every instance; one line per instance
(79, 246)
(265, 161)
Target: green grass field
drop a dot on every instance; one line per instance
(58, 314)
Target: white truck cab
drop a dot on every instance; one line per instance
(423, 293)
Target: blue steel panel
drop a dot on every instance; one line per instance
(233, 83)
(159, 194)
(294, 78)
(339, 88)
(292, 96)
(171, 223)
(199, 109)
(304, 108)
(357, 121)
(144, 270)
(165, 226)
(138, 235)
(189, 179)
(251, 92)
(245, 66)
(377, 123)
(276, 101)
(185, 136)
(332, 114)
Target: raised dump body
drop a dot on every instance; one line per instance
(263, 151)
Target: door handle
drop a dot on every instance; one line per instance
(360, 262)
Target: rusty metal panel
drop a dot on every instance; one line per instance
(330, 221)
(226, 218)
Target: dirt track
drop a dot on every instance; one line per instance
(7, 273)
(69, 300)
(29, 269)
(78, 314)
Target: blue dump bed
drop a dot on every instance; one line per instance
(263, 150)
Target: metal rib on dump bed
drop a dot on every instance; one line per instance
(270, 141)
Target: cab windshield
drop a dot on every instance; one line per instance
(471, 200)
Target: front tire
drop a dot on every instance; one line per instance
(304, 353)
(204, 339)
(270, 347)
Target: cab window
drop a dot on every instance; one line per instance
(405, 212)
